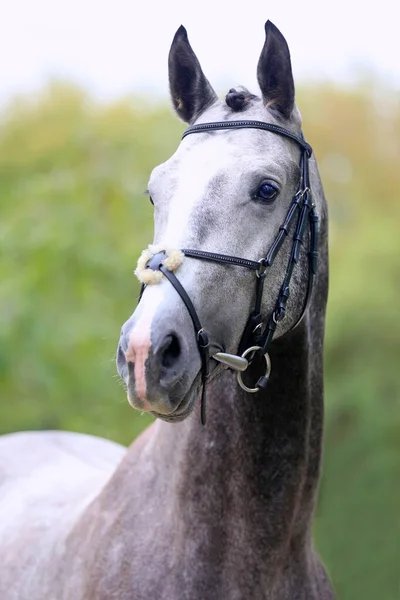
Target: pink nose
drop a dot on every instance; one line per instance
(138, 353)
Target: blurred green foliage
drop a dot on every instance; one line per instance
(73, 221)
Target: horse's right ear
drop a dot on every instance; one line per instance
(191, 92)
(274, 72)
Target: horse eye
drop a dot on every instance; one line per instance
(147, 193)
(267, 192)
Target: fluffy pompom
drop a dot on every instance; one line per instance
(174, 260)
(149, 277)
(142, 261)
(156, 248)
(171, 262)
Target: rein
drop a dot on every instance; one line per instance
(257, 335)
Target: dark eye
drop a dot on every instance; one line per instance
(267, 192)
(147, 193)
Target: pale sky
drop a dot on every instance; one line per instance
(116, 47)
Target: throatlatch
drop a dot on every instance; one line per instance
(257, 336)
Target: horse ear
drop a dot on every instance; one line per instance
(274, 72)
(191, 92)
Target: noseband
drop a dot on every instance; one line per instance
(257, 335)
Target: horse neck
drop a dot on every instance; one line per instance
(254, 468)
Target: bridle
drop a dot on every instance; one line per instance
(257, 335)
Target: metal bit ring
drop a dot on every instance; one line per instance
(267, 371)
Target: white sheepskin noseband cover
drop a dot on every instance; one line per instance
(172, 261)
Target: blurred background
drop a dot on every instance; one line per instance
(84, 118)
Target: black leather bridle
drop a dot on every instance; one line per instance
(257, 335)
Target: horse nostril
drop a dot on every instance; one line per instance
(170, 351)
(121, 355)
(121, 362)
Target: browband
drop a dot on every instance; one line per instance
(220, 125)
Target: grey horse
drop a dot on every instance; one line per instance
(190, 512)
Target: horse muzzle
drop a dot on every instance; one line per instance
(157, 359)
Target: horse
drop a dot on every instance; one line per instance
(215, 500)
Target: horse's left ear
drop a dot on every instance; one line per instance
(191, 92)
(274, 72)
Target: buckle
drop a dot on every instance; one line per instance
(301, 193)
(262, 268)
(202, 339)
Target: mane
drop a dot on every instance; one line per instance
(239, 99)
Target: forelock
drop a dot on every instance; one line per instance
(240, 99)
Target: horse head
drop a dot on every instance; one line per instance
(227, 193)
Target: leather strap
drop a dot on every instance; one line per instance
(220, 125)
(201, 336)
(222, 258)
